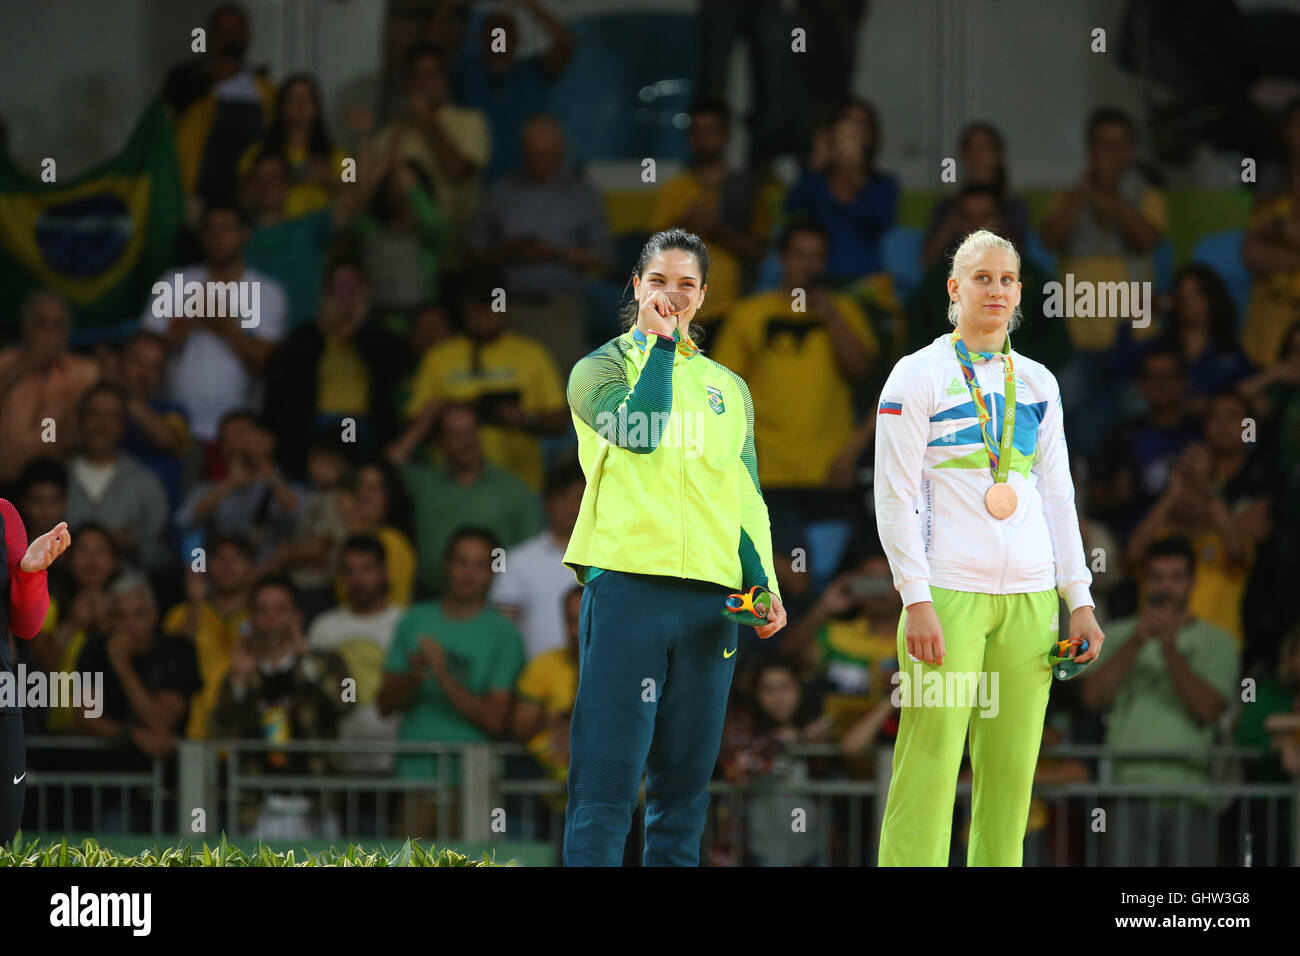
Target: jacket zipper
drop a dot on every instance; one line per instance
(1002, 531)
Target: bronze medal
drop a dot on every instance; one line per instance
(1000, 500)
(677, 300)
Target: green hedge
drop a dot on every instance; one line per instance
(89, 852)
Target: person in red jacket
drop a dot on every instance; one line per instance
(24, 601)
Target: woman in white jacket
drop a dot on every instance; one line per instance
(975, 509)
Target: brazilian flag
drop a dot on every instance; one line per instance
(99, 240)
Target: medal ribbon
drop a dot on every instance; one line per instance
(999, 452)
(686, 346)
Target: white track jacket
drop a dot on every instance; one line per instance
(932, 471)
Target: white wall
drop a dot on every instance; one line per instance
(76, 74)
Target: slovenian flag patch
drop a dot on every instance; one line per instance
(890, 405)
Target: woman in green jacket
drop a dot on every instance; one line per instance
(672, 522)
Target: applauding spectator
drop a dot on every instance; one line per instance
(157, 430)
(449, 144)
(217, 363)
(449, 673)
(279, 690)
(1195, 508)
(335, 374)
(1166, 679)
(39, 380)
(402, 235)
(1105, 228)
(214, 619)
(298, 136)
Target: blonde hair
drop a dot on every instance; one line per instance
(977, 242)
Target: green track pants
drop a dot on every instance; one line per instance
(994, 681)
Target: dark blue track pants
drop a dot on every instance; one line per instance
(13, 773)
(655, 666)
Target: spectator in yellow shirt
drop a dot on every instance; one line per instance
(1222, 541)
(1106, 227)
(1272, 252)
(509, 377)
(731, 210)
(298, 135)
(77, 611)
(450, 144)
(213, 617)
(544, 696)
(801, 348)
(374, 502)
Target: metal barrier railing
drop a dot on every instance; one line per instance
(480, 794)
(100, 808)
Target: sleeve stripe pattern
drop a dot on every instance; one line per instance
(599, 395)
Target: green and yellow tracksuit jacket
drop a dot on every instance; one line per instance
(666, 440)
